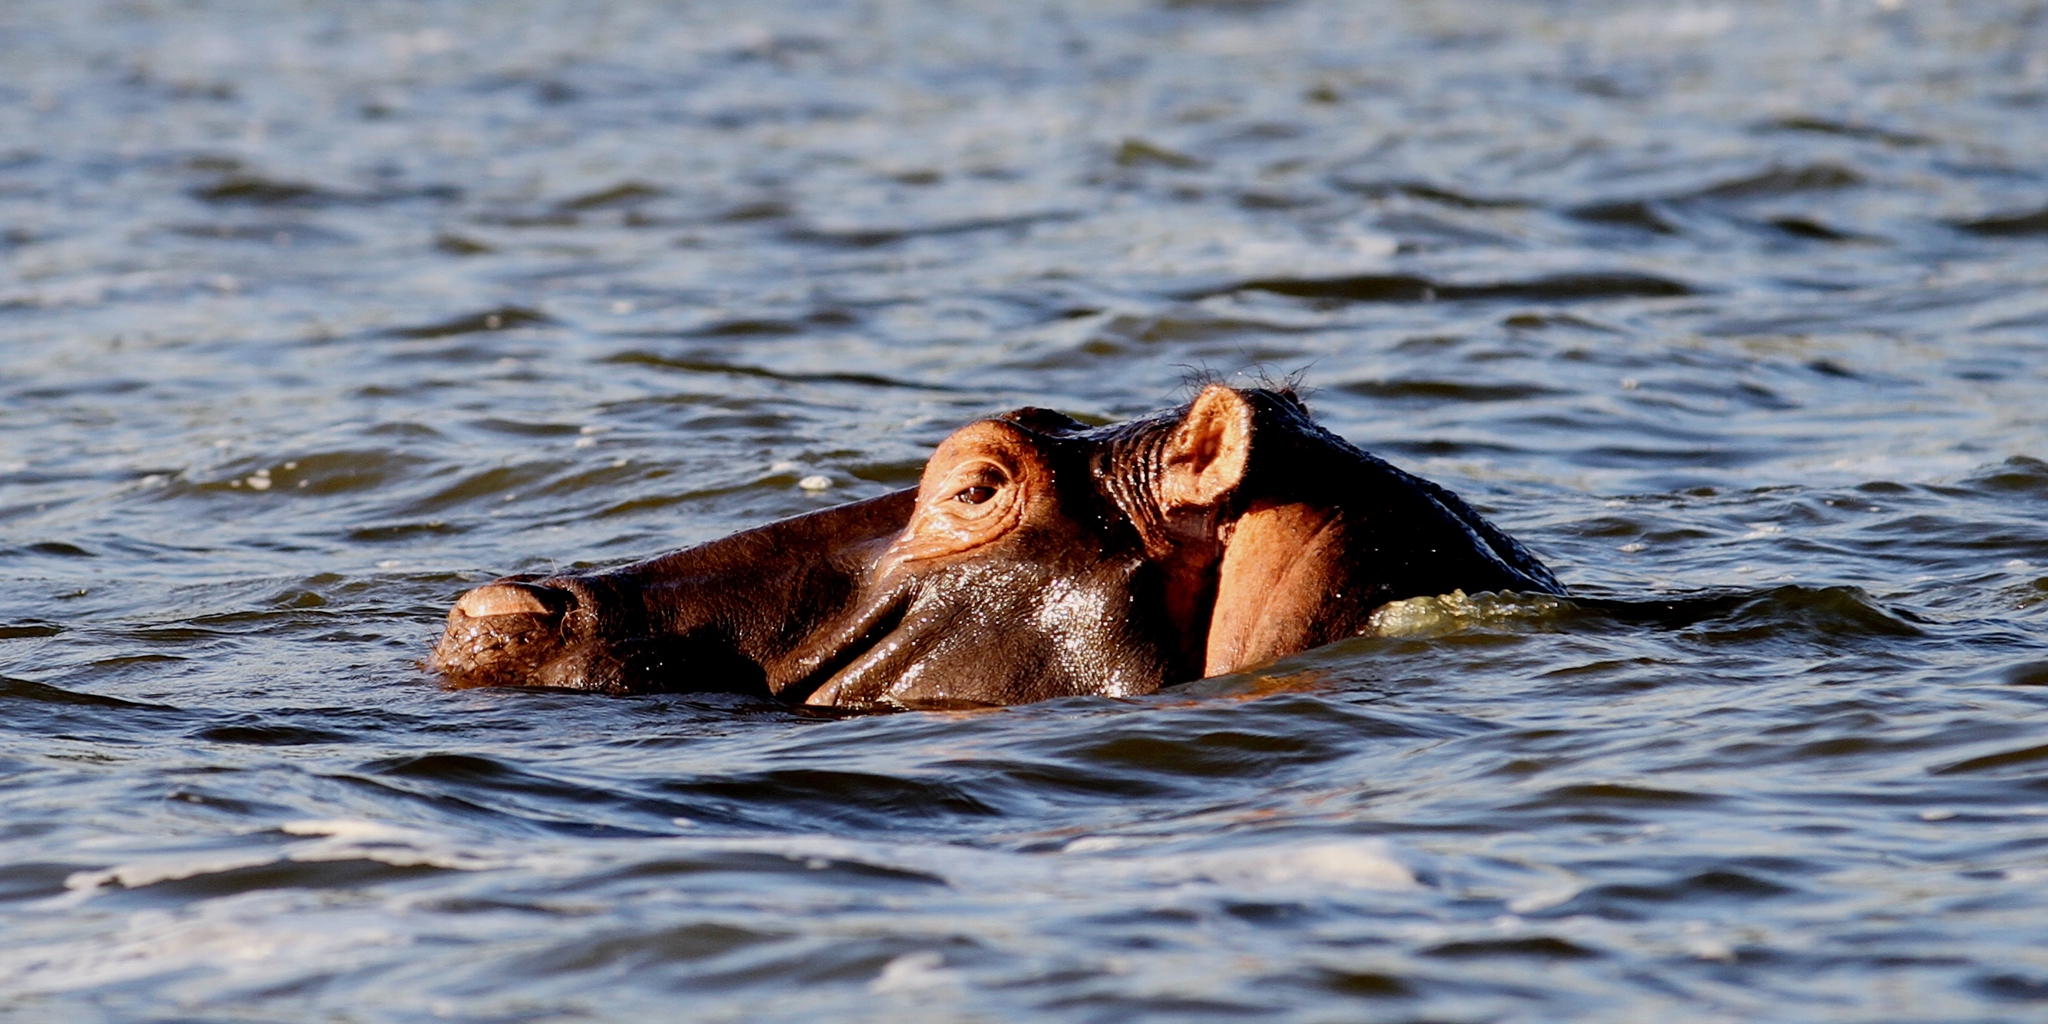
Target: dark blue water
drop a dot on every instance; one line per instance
(313, 315)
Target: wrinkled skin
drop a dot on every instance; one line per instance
(1036, 558)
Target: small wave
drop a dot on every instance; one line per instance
(1372, 864)
(329, 840)
(1780, 181)
(747, 327)
(1717, 884)
(708, 366)
(1541, 947)
(503, 318)
(2021, 475)
(870, 236)
(282, 235)
(1847, 130)
(2032, 222)
(1640, 214)
(1610, 794)
(1827, 611)
(319, 474)
(1430, 193)
(1458, 612)
(1091, 864)
(1660, 214)
(257, 190)
(626, 193)
(628, 949)
(855, 799)
(255, 939)
(1444, 390)
(43, 693)
(1586, 286)
(268, 734)
(2024, 757)
(55, 547)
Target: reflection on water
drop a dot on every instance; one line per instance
(314, 315)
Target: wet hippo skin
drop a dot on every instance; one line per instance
(1037, 558)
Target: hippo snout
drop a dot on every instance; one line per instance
(510, 632)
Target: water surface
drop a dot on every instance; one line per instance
(314, 315)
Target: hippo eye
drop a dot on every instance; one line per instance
(975, 495)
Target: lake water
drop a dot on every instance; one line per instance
(315, 314)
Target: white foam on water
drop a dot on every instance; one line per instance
(170, 868)
(337, 839)
(273, 936)
(1456, 612)
(1092, 865)
(1543, 897)
(1371, 864)
(244, 939)
(352, 839)
(915, 972)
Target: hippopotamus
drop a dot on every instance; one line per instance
(1037, 557)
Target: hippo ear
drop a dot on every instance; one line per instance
(1204, 460)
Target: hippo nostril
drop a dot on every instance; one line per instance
(503, 599)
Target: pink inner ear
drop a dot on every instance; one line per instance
(1281, 570)
(1205, 460)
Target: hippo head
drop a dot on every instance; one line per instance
(1037, 558)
